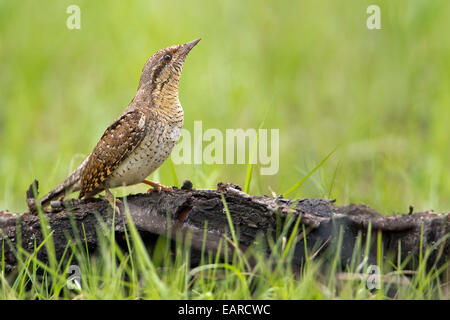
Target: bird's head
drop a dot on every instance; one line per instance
(165, 66)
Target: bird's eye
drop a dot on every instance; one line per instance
(167, 57)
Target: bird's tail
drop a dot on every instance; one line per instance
(69, 185)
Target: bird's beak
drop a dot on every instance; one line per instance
(188, 46)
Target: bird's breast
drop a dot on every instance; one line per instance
(149, 155)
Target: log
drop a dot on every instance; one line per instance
(185, 211)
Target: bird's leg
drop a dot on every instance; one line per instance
(156, 186)
(114, 204)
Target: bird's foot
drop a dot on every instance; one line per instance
(114, 203)
(155, 186)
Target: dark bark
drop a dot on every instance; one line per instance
(188, 209)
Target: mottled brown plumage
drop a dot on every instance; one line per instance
(116, 144)
(141, 138)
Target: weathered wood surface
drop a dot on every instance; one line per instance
(188, 210)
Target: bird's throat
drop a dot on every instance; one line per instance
(164, 97)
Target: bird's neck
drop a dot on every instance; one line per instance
(165, 95)
(162, 98)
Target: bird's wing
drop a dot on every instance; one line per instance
(116, 144)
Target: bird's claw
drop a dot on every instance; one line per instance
(159, 188)
(155, 186)
(113, 202)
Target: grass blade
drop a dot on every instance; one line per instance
(299, 184)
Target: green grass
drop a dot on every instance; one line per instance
(134, 272)
(309, 68)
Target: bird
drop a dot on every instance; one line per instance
(140, 139)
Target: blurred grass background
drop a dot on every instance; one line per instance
(310, 68)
